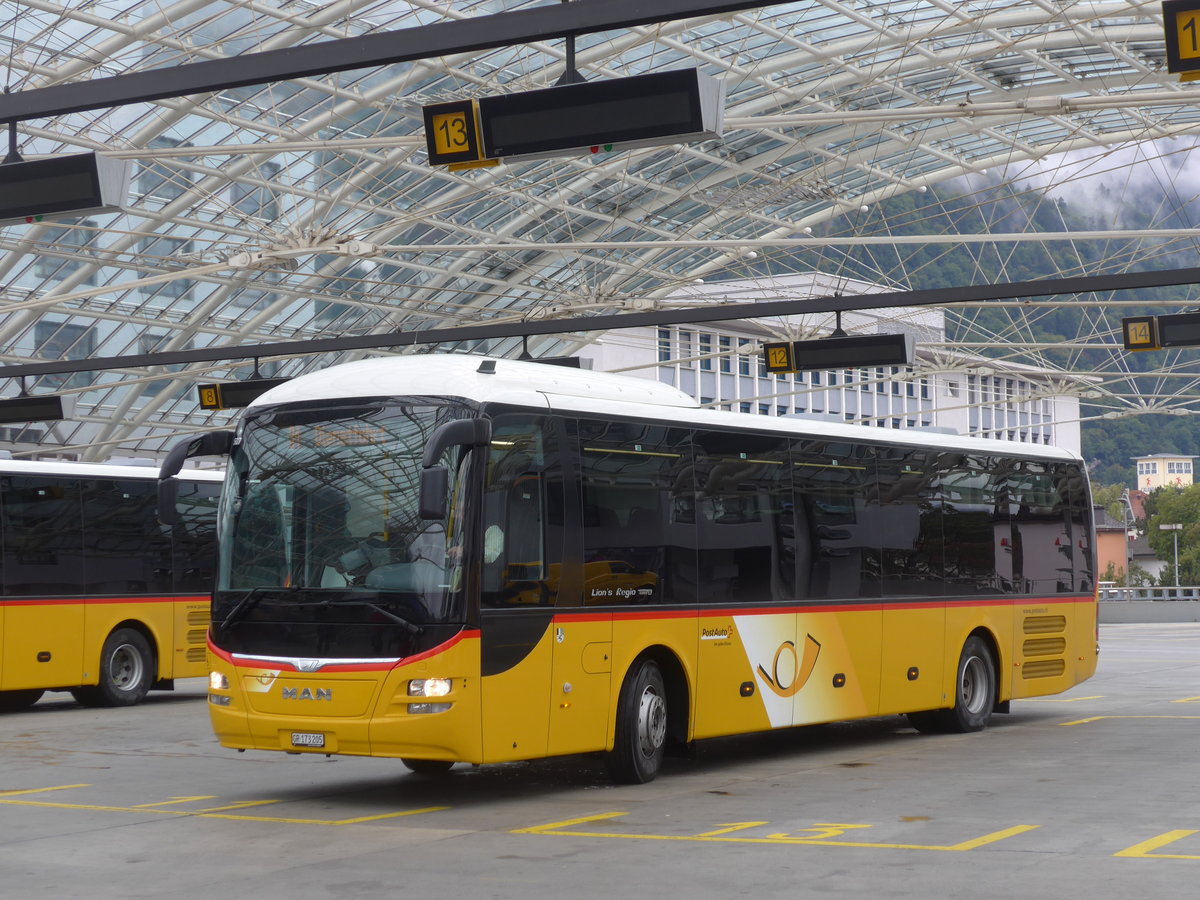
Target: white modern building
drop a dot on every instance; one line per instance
(721, 364)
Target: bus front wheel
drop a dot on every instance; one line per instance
(126, 671)
(641, 728)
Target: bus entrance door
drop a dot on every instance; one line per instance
(580, 683)
(516, 647)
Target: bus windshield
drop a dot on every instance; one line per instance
(319, 525)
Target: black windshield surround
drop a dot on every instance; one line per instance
(323, 554)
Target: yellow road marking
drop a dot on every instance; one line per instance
(1144, 849)
(241, 804)
(1187, 700)
(60, 787)
(1059, 699)
(215, 812)
(730, 827)
(824, 831)
(567, 823)
(173, 801)
(819, 840)
(991, 838)
(1098, 718)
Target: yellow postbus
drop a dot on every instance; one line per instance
(98, 598)
(459, 559)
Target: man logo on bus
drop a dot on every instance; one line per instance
(803, 669)
(291, 693)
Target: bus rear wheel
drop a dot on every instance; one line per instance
(974, 694)
(126, 671)
(427, 766)
(975, 688)
(19, 699)
(641, 732)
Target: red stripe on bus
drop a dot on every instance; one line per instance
(590, 616)
(838, 606)
(433, 651)
(73, 601)
(875, 605)
(250, 662)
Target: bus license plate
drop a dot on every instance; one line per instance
(308, 739)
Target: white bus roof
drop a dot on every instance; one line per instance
(97, 470)
(563, 389)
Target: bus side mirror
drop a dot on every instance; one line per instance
(458, 433)
(213, 443)
(435, 482)
(435, 479)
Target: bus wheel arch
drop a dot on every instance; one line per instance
(651, 714)
(976, 684)
(679, 701)
(128, 667)
(975, 689)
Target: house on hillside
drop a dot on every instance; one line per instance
(1163, 469)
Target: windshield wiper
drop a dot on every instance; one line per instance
(409, 625)
(249, 600)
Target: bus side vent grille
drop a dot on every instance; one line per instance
(1045, 624)
(195, 654)
(1055, 646)
(197, 636)
(198, 617)
(1043, 668)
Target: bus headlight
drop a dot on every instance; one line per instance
(428, 687)
(217, 681)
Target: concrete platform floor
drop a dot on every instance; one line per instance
(1090, 794)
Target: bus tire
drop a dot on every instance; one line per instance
(126, 671)
(641, 726)
(19, 699)
(427, 766)
(974, 689)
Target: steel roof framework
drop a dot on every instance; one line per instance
(279, 212)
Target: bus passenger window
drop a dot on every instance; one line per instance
(834, 533)
(910, 513)
(521, 555)
(193, 539)
(1043, 561)
(972, 487)
(745, 533)
(1077, 490)
(43, 536)
(639, 514)
(126, 550)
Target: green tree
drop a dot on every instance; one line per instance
(1176, 506)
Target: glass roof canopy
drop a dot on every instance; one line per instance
(307, 209)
